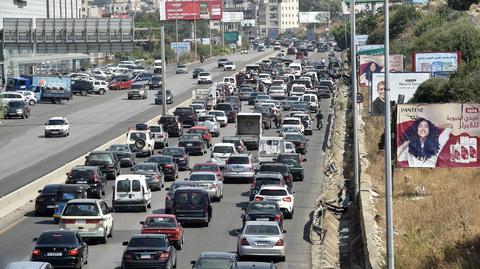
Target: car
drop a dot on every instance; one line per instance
(235, 100)
(164, 224)
(204, 77)
(261, 98)
(220, 116)
(244, 51)
(57, 126)
(204, 132)
(300, 106)
(137, 90)
(149, 250)
(208, 167)
(179, 155)
(100, 87)
(252, 97)
(277, 92)
(238, 141)
(153, 174)
(83, 87)
(280, 168)
(18, 109)
(268, 116)
(265, 78)
(160, 136)
(29, 97)
(171, 192)
(120, 84)
(166, 164)
(186, 115)
(306, 121)
(312, 101)
(293, 121)
(6, 97)
(240, 167)
(65, 193)
(60, 249)
(172, 125)
(286, 104)
(29, 265)
(324, 93)
(46, 200)
(256, 265)
(299, 140)
(294, 161)
(263, 211)
(159, 97)
(220, 260)
(181, 69)
(90, 218)
(265, 178)
(221, 62)
(90, 175)
(261, 238)
(229, 110)
(199, 109)
(124, 154)
(245, 93)
(192, 205)
(106, 161)
(197, 71)
(193, 145)
(140, 140)
(221, 152)
(229, 66)
(261, 48)
(155, 82)
(210, 182)
(211, 123)
(281, 194)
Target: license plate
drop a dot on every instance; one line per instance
(54, 254)
(189, 144)
(82, 182)
(80, 221)
(54, 132)
(237, 169)
(145, 256)
(259, 219)
(272, 199)
(50, 206)
(262, 243)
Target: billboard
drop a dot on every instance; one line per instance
(180, 47)
(314, 17)
(232, 17)
(370, 64)
(193, 10)
(361, 40)
(402, 88)
(438, 135)
(247, 23)
(230, 37)
(436, 61)
(370, 49)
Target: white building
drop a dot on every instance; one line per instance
(288, 15)
(276, 17)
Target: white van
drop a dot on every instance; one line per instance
(312, 101)
(131, 191)
(297, 68)
(6, 97)
(270, 147)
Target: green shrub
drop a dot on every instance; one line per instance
(434, 90)
(461, 4)
(338, 32)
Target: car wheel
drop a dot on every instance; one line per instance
(84, 93)
(101, 91)
(103, 240)
(31, 102)
(23, 116)
(179, 244)
(80, 264)
(111, 231)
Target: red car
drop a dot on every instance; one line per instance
(121, 84)
(203, 130)
(208, 167)
(164, 224)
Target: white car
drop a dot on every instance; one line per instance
(265, 78)
(279, 194)
(220, 116)
(211, 123)
(204, 78)
(287, 128)
(6, 97)
(199, 109)
(29, 97)
(100, 86)
(57, 126)
(277, 92)
(210, 182)
(293, 121)
(229, 66)
(312, 101)
(297, 90)
(221, 152)
(141, 141)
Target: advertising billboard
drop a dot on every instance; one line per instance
(180, 47)
(370, 49)
(370, 64)
(314, 17)
(402, 88)
(193, 10)
(438, 135)
(361, 40)
(232, 16)
(436, 61)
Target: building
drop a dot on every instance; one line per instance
(288, 15)
(277, 16)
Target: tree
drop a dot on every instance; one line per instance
(339, 33)
(434, 90)
(461, 4)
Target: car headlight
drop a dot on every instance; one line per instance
(19, 111)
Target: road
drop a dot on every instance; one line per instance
(219, 236)
(27, 155)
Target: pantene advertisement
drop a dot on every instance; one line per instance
(438, 135)
(370, 64)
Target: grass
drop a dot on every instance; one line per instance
(436, 211)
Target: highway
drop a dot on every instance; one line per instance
(27, 155)
(219, 236)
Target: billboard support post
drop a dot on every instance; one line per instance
(388, 146)
(354, 97)
(164, 79)
(176, 35)
(210, 37)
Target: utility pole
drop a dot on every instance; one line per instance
(353, 54)
(195, 28)
(176, 34)
(210, 35)
(164, 79)
(388, 146)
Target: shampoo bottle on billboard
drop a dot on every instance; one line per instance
(464, 143)
(455, 153)
(473, 149)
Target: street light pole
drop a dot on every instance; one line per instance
(164, 79)
(353, 54)
(176, 34)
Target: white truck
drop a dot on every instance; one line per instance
(249, 126)
(157, 66)
(269, 147)
(205, 95)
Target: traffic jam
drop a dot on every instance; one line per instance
(249, 129)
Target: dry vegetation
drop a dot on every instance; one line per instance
(436, 211)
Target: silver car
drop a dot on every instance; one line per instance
(29, 265)
(210, 182)
(241, 167)
(160, 135)
(261, 238)
(209, 121)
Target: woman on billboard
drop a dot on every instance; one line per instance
(368, 69)
(423, 142)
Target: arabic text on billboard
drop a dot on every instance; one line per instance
(314, 17)
(361, 40)
(180, 47)
(193, 10)
(437, 61)
(366, 48)
(438, 135)
(370, 64)
(402, 88)
(232, 16)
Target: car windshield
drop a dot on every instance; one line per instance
(209, 168)
(276, 88)
(261, 207)
(118, 148)
(225, 107)
(289, 129)
(263, 97)
(197, 106)
(15, 104)
(262, 230)
(145, 168)
(81, 209)
(80, 174)
(204, 74)
(172, 151)
(213, 263)
(291, 122)
(190, 137)
(65, 196)
(147, 243)
(156, 129)
(167, 119)
(202, 177)
(277, 83)
(205, 118)
(223, 149)
(160, 159)
(217, 113)
(268, 192)
(99, 157)
(55, 122)
(159, 222)
(294, 137)
(282, 169)
(136, 136)
(156, 79)
(177, 185)
(293, 98)
(229, 63)
(288, 159)
(238, 160)
(266, 181)
(53, 238)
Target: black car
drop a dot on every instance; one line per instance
(265, 178)
(193, 146)
(192, 205)
(251, 98)
(197, 71)
(166, 163)
(106, 161)
(233, 99)
(179, 156)
(153, 174)
(124, 154)
(60, 249)
(159, 97)
(90, 175)
(299, 141)
(149, 251)
(155, 82)
(229, 110)
(17, 109)
(277, 167)
(263, 210)
(187, 115)
(46, 200)
(82, 87)
(172, 125)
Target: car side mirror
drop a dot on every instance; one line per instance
(35, 239)
(284, 231)
(293, 192)
(125, 243)
(111, 209)
(193, 262)
(39, 191)
(86, 157)
(45, 123)
(142, 222)
(304, 160)
(167, 189)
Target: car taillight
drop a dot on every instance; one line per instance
(127, 255)
(68, 221)
(164, 256)
(110, 165)
(244, 242)
(278, 217)
(36, 252)
(168, 166)
(279, 243)
(258, 198)
(213, 186)
(73, 252)
(288, 178)
(95, 178)
(40, 199)
(93, 221)
(301, 145)
(286, 199)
